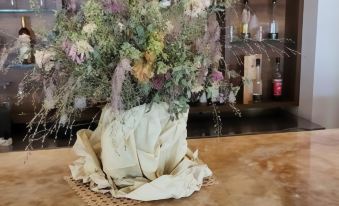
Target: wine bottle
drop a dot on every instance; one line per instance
(23, 29)
(25, 42)
(246, 18)
(277, 81)
(273, 33)
(257, 83)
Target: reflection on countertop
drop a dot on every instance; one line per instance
(283, 169)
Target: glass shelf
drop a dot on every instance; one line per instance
(21, 66)
(13, 11)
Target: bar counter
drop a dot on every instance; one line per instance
(274, 169)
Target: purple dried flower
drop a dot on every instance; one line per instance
(66, 45)
(71, 51)
(158, 81)
(113, 6)
(217, 76)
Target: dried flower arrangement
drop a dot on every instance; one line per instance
(125, 53)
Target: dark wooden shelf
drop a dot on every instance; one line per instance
(202, 108)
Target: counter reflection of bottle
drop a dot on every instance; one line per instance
(257, 83)
(25, 39)
(277, 81)
(246, 17)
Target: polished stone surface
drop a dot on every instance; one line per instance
(288, 169)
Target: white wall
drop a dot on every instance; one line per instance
(308, 58)
(319, 93)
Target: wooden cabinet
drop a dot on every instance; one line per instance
(290, 18)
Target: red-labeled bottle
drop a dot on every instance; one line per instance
(277, 81)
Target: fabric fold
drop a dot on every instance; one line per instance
(139, 154)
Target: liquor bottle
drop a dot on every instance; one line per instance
(257, 83)
(23, 29)
(277, 81)
(25, 39)
(273, 33)
(246, 18)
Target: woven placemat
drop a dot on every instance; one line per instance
(99, 199)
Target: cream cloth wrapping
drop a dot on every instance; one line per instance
(139, 154)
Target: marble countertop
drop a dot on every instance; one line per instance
(287, 169)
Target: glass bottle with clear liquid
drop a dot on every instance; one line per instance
(246, 17)
(273, 33)
(257, 83)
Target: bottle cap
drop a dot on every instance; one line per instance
(277, 60)
(257, 62)
(245, 1)
(274, 1)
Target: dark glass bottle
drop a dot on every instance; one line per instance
(277, 81)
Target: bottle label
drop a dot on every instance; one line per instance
(277, 87)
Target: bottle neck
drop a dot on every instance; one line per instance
(277, 69)
(273, 10)
(23, 22)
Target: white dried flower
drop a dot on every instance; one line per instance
(24, 39)
(89, 28)
(197, 88)
(170, 26)
(49, 101)
(45, 59)
(83, 47)
(231, 97)
(165, 3)
(80, 103)
(25, 49)
(121, 26)
(24, 52)
(63, 119)
(195, 7)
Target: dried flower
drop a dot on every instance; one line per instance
(114, 6)
(78, 52)
(118, 79)
(80, 103)
(24, 39)
(165, 3)
(195, 7)
(45, 59)
(63, 119)
(170, 26)
(158, 82)
(89, 28)
(217, 76)
(197, 88)
(142, 72)
(49, 101)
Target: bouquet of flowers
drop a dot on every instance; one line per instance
(127, 53)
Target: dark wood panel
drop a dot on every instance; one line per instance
(294, 19)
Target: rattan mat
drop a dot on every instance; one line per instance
(98, 199)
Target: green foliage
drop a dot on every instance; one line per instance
(129, 51)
